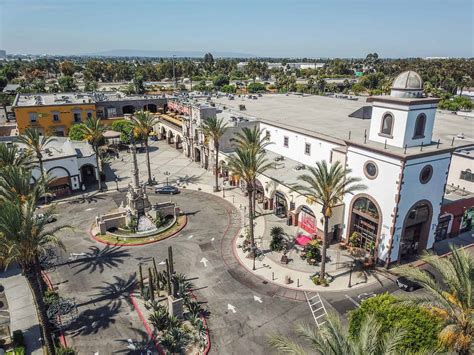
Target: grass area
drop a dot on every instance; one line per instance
(111, 239)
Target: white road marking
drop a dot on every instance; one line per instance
(162, 263)
(204, 261)
(364, 296)
(352, 300)
(231, 308)
(212, 239)
(257, 299)
(190, 237)
(90, 209)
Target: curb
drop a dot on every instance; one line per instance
(94, 237)
(47, 280)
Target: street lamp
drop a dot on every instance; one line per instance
(167, 174)
(223, 188)
(116, 182)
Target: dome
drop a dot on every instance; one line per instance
(408, 84)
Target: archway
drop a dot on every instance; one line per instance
(170, 137)
(416, 229)
(365, 222)
(163, 133)
(259, 191)
(151, 108)
(178, 142)
(443, 229)
(128, 109)
(61, 183)
(281, 206)
(197, 155)
(88, 175)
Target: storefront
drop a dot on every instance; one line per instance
(307, 220)
(259, 192)
(281, 207)
(60, 187)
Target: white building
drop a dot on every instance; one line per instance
(71, 165)
(399, 146)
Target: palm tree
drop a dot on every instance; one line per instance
(215, 128)
(93, 132)
(15, 185)
(36, 143)
(334, 339)
(143, 123)
(23, 238)
(247, 163)
(327, 185)
(10, 155)
(451, 298)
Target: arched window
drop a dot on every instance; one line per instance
(420, 126)
(387, 125)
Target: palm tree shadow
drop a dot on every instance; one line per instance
(113, 292)
(141, 343)
(99, 259)
(91, 321)
(193, 179)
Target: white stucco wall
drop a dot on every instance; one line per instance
(461, 163)
(382, 189)
(320, 150)
(403, 124)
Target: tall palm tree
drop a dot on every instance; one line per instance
(23, 238)
(15, 185)
(36, 143)
(334, 339)
(10, 155)
(247, 163)
(327, 185)
(143, 123)
(215, 128)
(451, 298)
(93, 132)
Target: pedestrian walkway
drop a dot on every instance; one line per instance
(22, 309)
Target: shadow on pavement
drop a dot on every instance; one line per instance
(99, 259)
(113, 292)
(91, 321)
(141, 343)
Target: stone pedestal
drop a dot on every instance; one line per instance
(175, 307)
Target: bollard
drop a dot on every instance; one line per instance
(297, 282)
(273, 276)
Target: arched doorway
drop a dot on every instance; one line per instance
(281, 206)
(170, 137)
(197, 155)
(416, 229)
(61, 183)
(128, 109)
(259, 191)
(307, 219)
(178, 142)
(163, 132)
(88, 175)
(365, 222)
(150, 107)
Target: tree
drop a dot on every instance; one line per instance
(91, 86)
(327, 186)
(76, 132)
(247, 162)
(10, 155)
(143, 123)
(230, 89)
(67, 68)
(124, 127)
(66, 83)
(253, 88)
(451, 298)
(93, 132)
(5, 100)
(220, 81)
(36, 144)
(421, 326)
(23, 238)
(138, 84)
(333, 339)
(215, 128)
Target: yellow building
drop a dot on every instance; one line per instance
(52, 114)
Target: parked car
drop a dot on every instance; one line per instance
(408, 285)
(171, 190)
(50, 219)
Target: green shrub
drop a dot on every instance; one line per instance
(75, 132)
(65, 351)
(253, 88)
(50, 297)
(277, 235)
(18, 338)
(421, 327)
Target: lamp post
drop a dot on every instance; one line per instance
(167, 174)
(223, 188)
(116, 182)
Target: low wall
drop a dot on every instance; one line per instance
(111, 220)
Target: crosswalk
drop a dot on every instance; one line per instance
(316, 305)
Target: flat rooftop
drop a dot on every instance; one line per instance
(328, 118)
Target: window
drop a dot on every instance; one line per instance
(89, 114)
(426, 174)
(420, 126)
(267, 135)
(370, 170)
(111, 112)
(307, 149)
(77, 117)
(286, 142)
(33, 117)
(467, 175)
(387, 125)
(56, 117)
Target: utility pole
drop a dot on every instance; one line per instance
(174, 73)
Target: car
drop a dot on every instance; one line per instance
(50, 219)
(408, 285)
(170, 190)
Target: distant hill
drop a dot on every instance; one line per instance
(165, 54)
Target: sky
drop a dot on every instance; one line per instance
(286, 28)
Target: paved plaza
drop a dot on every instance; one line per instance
(244, 307)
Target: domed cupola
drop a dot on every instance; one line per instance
(407, 85)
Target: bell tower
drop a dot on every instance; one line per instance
(405, 118)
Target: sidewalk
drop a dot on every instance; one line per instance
(22, 309)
